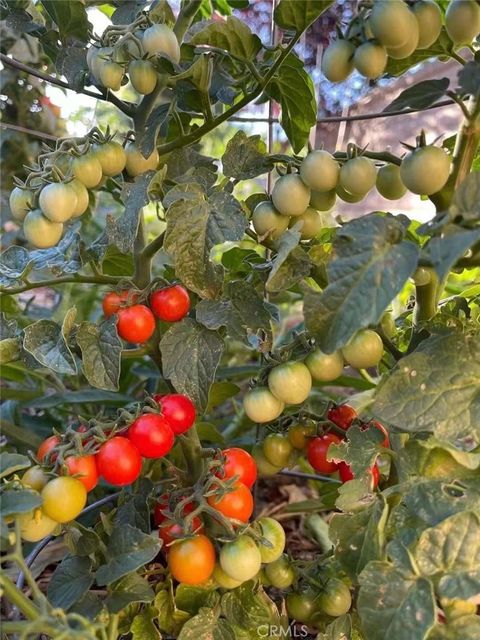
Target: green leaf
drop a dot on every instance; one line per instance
(82, 541)
(339, 629)
(370, 264)
(21, 501)
(170, 617)
(84, 396)
(434, 458)
(70, 581)
(132, 588)
(469, 79)
(359, 538)
(294, 268)
(220, 392)
(209, 433)
(443, 252)
(190, 357)
(232, 35)
(192, 599)
(359, 450)
(462, 628)
(12, 462)
(297, 15)
(44, 339)
(133, 508)
(435, 389)
(101, 353)
(249, 607)
(245, 157)
(143, 627)
(128, 549)
(292, 87)
(70, 18)
(466, 199)
(206, 626)
(420, 95)
(392, 604)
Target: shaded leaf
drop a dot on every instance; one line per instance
(132, 588)
(12, 462)
(70, 581)
(21, 501)
(443, 252)
(469, 79)
(297, 15)
(101, 353)
(45, 342)
(232, 35)
(466, 199)
(143, 627)
(420, 95)
(245, 157)
(70, 18)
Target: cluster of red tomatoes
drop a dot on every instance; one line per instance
(136, 322)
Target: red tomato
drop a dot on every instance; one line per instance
(85, 468)
(236, 504)
(152, 435)
(119, 461)
(373, 423)
(345, 472)
(178, 410)
(114, 301)
(239, 462)
(135, 324)
(342, 415)
(45, 448)
(317, 450)
(171, 531)
(162, 505)
(170, 304)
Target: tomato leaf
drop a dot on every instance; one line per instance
(132, 588)
(297, 15)
(207, 625)
(250, 608)
(192, 599)
(370, 264)
(245, 157)
(143, 627)
(443, 252)
(70, 18)
(359, 450)
(190, 357)
(170, 617)
(21, 501)
(435, 389)
(127, 550)
(101, 353)
(339, 629)
(12, 462)
(45, 341)
(466, 199)
(232, 35)
(70, 581)
(393, 604)
(132, 507)
(420, 95)
(469, 79)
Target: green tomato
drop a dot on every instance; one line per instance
(422, 276)
(136, 164)
(88, 170)
(20, 202)
(223, 579)
(429, 18)
(290, 382)
(290, 195)
(268, 221)
(301, 605)
(35, 525)
(358, 176)
(319, 171)
(280, 572)
(389, 183)
(82, 197)
(161, 39)
(425, 170)
(112, 157)
(142, 76)
(241, 559)
(58, 201)
(462, 21)
(407, 48)
(97, 57)
(312, 223)
(337, 60)
(299, 434)
(325, 367)
(390, 22)
(277, 449)
(323, 201)
(40, 231)
(261, 405)
(364, 350)
(388, 324)
(335, 599)
(348, 197)
(264, 467)
(111, 74)
(35, 478)
(370, 59)
(272, 531)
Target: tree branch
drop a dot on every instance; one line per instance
(105, 95)
(111, 280)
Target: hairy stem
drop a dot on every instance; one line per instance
(192, 452)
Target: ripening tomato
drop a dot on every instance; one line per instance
(192, 561)
(85, 468)
(337, 60)
(178, 410)
(159, 38)
(20, 202)
(170, 531)
(240, 558)
(119, 461)
(264, 467)
(240, 463)
(136, 324)
(299, 434)
(272, 531)
(43, 452)
(236, 504)
(290, 382)
(342, 415)
(345, 472)
(317, 451)
(364, 350)
(142, 76)
(152, 435)
(35, 478)
(114, 301)
(112, 157)
(88, 170)
(170, 304)
(63, 498)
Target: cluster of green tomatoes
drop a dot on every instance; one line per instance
(394, 29)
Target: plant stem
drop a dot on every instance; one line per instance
(382, 156)
(111, 280)
(426, 297)
(142, 273)
(192, 452)
(185, 18)
(18, 599)
(125, 108)
(155, 245)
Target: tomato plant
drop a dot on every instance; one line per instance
(177, 291)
